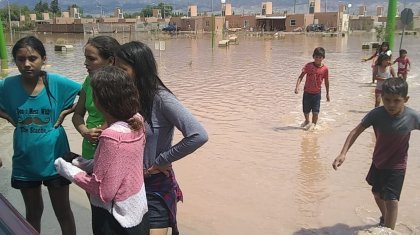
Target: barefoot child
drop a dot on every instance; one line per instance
(384, 49)
(316, 72)
(404, 64)
(381, 72)
(392, 123)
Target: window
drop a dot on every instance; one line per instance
(207, 23)
(292, 22)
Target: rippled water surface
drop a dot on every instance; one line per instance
(260, 173)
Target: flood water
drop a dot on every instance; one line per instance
(260, 173)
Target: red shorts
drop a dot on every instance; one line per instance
(378, 92)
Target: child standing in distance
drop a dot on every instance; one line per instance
(33, 100)
(404, 64)
(381, 72)
(163, 113)
(99, 52)
(115, 184)
(392, 123)
(383, 49)
(316, 72)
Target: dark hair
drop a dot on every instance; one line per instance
(106, 45)
(116, 93)
(29, 41)
(402, 51)
(140, 57)
(319, 51)
(381, 58)
(384, 44)
(396, 86)
(35, 44)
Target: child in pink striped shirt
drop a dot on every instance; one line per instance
(114, 179)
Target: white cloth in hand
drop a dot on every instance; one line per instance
(66, 169)
(84, 164)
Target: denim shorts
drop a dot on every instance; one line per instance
(386, 182)
(158, 212)
(54, 182)
(311, 102)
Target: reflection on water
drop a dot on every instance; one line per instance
(260, 171)
(310, 178)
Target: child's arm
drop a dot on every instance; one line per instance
(371, 57)
(327, 88)
(63, 115)
(299, 80)
(392, 71)
(7, 117)
(351, 138)
(395, 61)
(408, 65)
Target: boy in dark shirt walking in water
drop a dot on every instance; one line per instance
(392, 123)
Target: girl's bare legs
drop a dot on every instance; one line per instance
(61, 205)
(34, 206)
(159, 231)
(377, 100)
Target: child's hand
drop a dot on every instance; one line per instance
(92, 135)
(364, 60)
(156, 169)
(338, 161)
(328, 97)
(296, 90)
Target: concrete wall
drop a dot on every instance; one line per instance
(328, 19)
(301, 21)
(56, 28)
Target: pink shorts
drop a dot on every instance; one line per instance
(378, 92)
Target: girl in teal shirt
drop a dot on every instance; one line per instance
(33, 101)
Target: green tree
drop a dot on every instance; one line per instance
(147, 11)
(15, 12)
(165, 9)
(41, 7)
(76, 6)
(55, 9)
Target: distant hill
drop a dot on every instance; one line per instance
(239, 6)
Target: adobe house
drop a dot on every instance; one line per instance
(267, 21)
(335, 21)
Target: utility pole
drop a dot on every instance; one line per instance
(10, 23)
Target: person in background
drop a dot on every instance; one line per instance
(99, 52)
(404, 64)
(163, 113)
(382, 71)
(392, 124)
(33, 102)
(114, 178)
(316, 72)
(383, 49)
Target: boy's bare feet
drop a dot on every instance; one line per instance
(304, 124)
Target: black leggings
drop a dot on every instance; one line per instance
(104, 223)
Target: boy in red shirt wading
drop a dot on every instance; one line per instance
(316, 72)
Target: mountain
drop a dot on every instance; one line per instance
(246, 6)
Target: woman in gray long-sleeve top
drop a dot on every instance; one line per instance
(163, 113)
